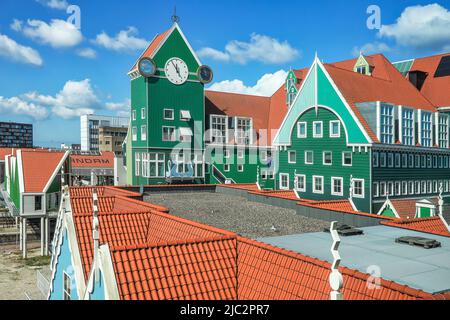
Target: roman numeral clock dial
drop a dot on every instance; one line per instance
(176, 71)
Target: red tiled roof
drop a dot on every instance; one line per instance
(152, 47)
(103, 160)
(38, 167)
(5, 152)
(243, 105)
(386, 84)
(241, 186)
(406, 208)
(101, 191)
(196, 270)
(433, 225)
(283, 194)
(434, 89)
(159, 256)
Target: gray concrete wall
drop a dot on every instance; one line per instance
(345, 218)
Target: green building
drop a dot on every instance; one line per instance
(363, 129)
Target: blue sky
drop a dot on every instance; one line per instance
(50, 72)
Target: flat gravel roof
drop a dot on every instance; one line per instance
(425, 269)
(236, 214)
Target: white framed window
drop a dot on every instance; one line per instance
(376, 190)
(156, 163)
(137, 164)
(168, 114)
(300, 182)
(411, 161)
(398, 160)
(383, 159)
(284, 181)
(185, 134)
(375, 159)
(347, 158)
(143, 113)
(390, 188)
(240, 154)
(134, 133)
(67, 286)
(382, 189)
(240, 168)
(426, 129)
(423, 161)
(418, 187)
(410, 187)
(404, 160)
(337, 186)
(243, 130)
(226, 153)
(309, 157)
(302, 130)
(317, 129)
(327, 158)
(318, 184)
(197, 159)
(292, 157)
(417, 161)
(264, 174)
(144, 133)
(133, 115)
(168, 133)
(423, 187)
(387, 124)
(185, 115)
(443, 130)
(358, 188)
(219, 128)
(335, 129)
(397, 188)
(263, 156)
(407, 126)
(226, 167)
(390, 160)
(145, 165)
(404, 188)
(435, 186)
(430, 186)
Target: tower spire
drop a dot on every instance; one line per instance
(175, 18)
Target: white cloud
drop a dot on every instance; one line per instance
(16, 52)
(260, 48)
(371, 48)
(420, 27)
(75, 98)
(119, 106)
(125, 40)
(54, 4)
(16, 25)
(88, 53)
(123, 113)
(58, 34)
(265, 86)
(17, 106)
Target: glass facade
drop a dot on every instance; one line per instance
(16, 135)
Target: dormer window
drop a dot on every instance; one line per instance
(361, 69)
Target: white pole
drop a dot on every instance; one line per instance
(42, 235)
(24, 245)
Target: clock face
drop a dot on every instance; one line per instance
(146, 67)
(176, 71)
(205, 74)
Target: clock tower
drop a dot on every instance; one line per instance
(165, 142)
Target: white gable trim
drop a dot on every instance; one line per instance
(19, 166)
(350, 110)
(55, 172)
(388, 202)
(295, 100)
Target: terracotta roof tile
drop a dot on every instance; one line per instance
(38, 167)
(435, 89)
(5, 152)
(159, 256)
(433, 225)
(406, 208)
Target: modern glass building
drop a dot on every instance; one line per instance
(16, 135)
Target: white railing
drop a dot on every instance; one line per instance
(43, 283)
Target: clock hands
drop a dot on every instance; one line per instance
(176, 68)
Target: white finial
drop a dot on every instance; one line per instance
(95, 232)
(336, 280)
(257, 178)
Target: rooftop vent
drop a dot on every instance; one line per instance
(419, 241)
(346, 230)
